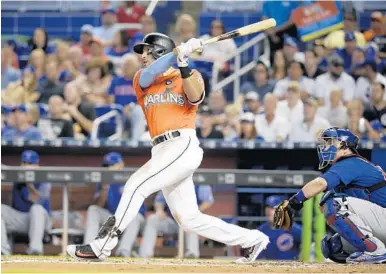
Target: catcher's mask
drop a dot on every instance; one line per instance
(331, 141)
(159, 44)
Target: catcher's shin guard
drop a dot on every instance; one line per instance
(332, 248)
(348, 225)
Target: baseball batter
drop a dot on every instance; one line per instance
(169, 98)
(354, 204)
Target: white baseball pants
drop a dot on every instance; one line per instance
(33, 223)
(171, 169)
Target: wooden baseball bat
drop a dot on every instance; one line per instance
(252, 28)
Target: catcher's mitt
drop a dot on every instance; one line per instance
(283, 217)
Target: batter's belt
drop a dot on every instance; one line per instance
(166, 136)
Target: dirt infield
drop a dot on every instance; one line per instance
(27, 264)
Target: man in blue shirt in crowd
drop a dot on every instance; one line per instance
(281, 11)
(354, 203)
(162, 222)
(284, 245)
(107, 199)
(347, 52)
(30, 210)
(23, 128)
(122, 92)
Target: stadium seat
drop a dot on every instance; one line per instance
(109, 126)
(43, 110)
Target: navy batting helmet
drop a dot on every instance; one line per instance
(159, 44)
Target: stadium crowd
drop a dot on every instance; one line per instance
(335, 81)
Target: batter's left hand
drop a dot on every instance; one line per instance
(186, 49)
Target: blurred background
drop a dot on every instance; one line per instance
(68, 101)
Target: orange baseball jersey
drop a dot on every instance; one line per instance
(165, 104)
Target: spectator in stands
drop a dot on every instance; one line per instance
(347, 52)
(37, 61)
(262, 84)
(120, 48)
(40, 41)
(320, 53)
(86, 36)
(377, 27)
(29, 213)
(231, 127)
(8, 73)
(281, 11)
(64, 63)
(271, 127)
(82, 113)
(291, 109)
(279, 66)
(335, 112)
(148, 25)
(95, 84)
(76, 65)
(121, 92)
(206, 130)
(252, 102)
(23, 129)
(309, 129)
(7, 119)
(185, 28)
(22, 91)
(370, 75)
(311, 65)
(106, 32)
(335, 77)
(217, 104)
(162, 222)
(218, 52)
(50, 85)
(336, 38)
(130, 12)
(247, 127)
(58, 123)
(284, 244)
(376, 109)
(357, 124)
(106, 202)
(12, 45)
(120, 45)
(296, 71)
(358, 58)
(291, 50)
(96, 49)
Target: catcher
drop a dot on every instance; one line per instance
(354, 203)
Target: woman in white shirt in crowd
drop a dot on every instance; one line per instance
(292, 107)
(218, 52)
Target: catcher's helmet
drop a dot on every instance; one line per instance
(327, 148)
(160, 44)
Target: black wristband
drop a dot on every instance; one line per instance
(186, 72)
(294, 203)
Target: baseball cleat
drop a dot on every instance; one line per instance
(82, 252)
(250, 253)
(365, 258)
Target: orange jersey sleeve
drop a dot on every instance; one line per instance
(164, 103)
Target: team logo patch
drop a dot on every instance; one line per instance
(285, 242)
(168, 82)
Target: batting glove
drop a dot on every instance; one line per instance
(186, 49)
(182, 61)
